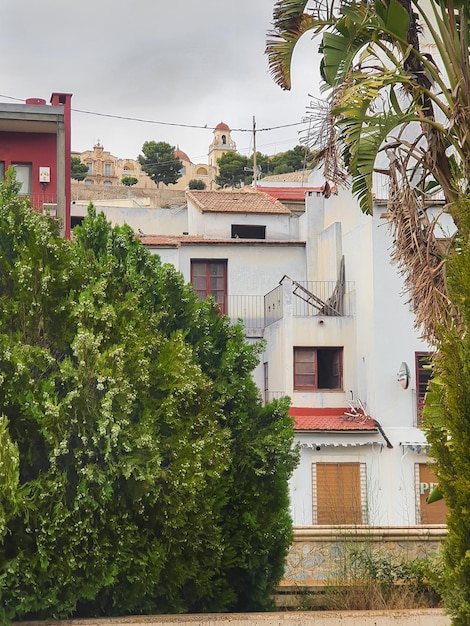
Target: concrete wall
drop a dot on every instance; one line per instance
(421, 617)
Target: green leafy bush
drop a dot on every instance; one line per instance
(140, 472)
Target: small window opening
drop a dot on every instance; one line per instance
(246, 231)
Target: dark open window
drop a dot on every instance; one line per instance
(246, 231)
(210, 278)
(423, 374)
(318, 368)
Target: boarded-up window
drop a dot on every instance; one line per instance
(434, 513)
(339, 491)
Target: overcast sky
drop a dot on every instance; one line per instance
(182, 62)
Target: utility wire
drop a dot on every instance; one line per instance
(146, 121)
(205, 127)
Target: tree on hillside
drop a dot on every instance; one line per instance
(158, 160)
(196, 183)
(79, 169)
(389, 96)
(139, 470)
(129, 181)
(232, 170)
(295, 160)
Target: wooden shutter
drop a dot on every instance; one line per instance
(339, 498)
(304, 368)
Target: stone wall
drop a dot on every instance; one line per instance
(158, 197)
(320, 553)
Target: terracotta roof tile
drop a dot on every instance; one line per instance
(288, 193)
(236, 202)
(175, 241)
(330, 419)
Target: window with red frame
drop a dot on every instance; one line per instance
(209, 277)
(318, 368)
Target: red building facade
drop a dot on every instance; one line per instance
(35, 139)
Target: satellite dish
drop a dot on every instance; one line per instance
(403, 375)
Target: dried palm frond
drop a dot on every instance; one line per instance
(419, 256)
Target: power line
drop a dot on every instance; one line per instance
(205, 127)
(177, 124)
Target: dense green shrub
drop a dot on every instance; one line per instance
(139, 470)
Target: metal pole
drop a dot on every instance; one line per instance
(255, 171)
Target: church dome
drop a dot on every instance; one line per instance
(182, 156)
(222, 126)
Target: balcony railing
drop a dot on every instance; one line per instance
(327, 298)
(43, 202)
(308, 299)
(249, 309)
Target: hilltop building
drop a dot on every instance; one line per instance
(107, 170)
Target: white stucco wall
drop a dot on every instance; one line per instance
(212, 224)
(379, 337)
(252, 268)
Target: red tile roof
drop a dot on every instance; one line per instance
(236, 202)
(292, 194)
(330, 419)
(175, 241)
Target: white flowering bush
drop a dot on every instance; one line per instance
(139, 471)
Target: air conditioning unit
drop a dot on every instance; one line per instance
(50, 209)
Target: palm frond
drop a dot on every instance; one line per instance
(280, 47)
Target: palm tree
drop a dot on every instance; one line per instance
(397, 78)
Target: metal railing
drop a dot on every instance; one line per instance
(39, 200)
(309, 299)
(320, 298)
(249, 309)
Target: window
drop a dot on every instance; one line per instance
(76, 220)
(210, 278)
(2, 170)
(107, 169)
(244, 231)
(434, 513)
(107, 183)
(318, 368)
(423, 374)
(339, 493)
(23, 176)
(88, 181)
(266, 381)
(90, 168)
